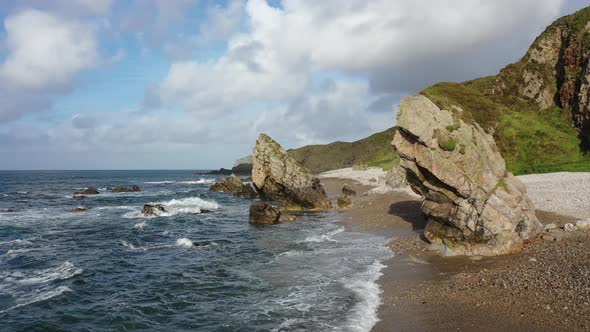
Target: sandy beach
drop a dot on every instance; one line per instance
(545, 287)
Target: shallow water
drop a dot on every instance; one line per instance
(110, 268)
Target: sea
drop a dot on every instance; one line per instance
(198, 267)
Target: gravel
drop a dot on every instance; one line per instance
(564, 193)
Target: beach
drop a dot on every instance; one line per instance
(545, 287)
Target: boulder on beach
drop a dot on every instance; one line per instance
(473, 205)
(87, 191)
(264, 213)
(153, 209)
(131, 189)
(345, 198)
(278, 177)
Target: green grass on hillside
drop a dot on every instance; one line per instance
(375, 151)
(530, 140)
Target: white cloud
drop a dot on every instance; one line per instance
(45, 50)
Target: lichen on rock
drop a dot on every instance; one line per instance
(473, 205)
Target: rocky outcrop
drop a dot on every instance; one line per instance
(278, 177)
(231, 184)
(234, 185)
(243, 161)
(153, 209)
(87, 191)
(345, 198)
(241, 169)
(131, 189)
(396, 178)
(472, 204)
(556, 71)
(264, 214)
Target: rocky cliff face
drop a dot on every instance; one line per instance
(556, 71)
(279, 177)
(473, 205)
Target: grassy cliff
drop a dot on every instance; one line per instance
(375, 150)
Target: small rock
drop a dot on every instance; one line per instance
(133, 189)
(264, 213)
(550, 227)
(287, 217)
(583, 225)
(87, 191)
(153, 210)
(569, 227)
(532, 259)
(79, 209)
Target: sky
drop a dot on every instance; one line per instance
(189, 84)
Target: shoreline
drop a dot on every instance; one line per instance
(545, 287)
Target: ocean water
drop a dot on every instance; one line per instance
(111, 268)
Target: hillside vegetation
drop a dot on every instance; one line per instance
(375, 150)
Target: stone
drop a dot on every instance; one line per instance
(583, 225)
(234, 185)
(153, 209)
(549, 227)
(396, 178)
(131, 189)
(569, 227)
(264, 214)
(231, 184)
(79, 209)
(345, 198)
(87, 191)
(287, 217)
(473, 205)
(278, 177)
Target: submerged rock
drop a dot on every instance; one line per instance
(345, 198)
(264, 213)
(87, 191)
(472, 204)
(153, 209)
(279, 177)
(79, 209)
(132, 189)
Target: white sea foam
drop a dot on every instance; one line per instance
(31, 286)
(324, 237)
(190, 205)
(139, 226)
(18, 242)
(184, 243)
(364, 285)
(199, 181)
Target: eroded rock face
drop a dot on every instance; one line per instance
(264, 214)
(345, 198)
(556, 71)
(472, 204)
(279, 177)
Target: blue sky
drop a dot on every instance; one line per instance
(148, 84)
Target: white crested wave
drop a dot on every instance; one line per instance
(190, 205)
(18, 242)
(365, 287)
(324, 237)
(184, 243)
(139, 226)
(199, 181)
(27, 287)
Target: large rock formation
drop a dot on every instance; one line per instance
(279, 177)
(473, 205)
(556, 71)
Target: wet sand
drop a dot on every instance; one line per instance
(544, 288)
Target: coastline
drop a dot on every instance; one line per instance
(544, 287)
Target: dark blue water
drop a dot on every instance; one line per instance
(111, 268)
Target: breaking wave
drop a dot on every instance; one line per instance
(190, 205)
